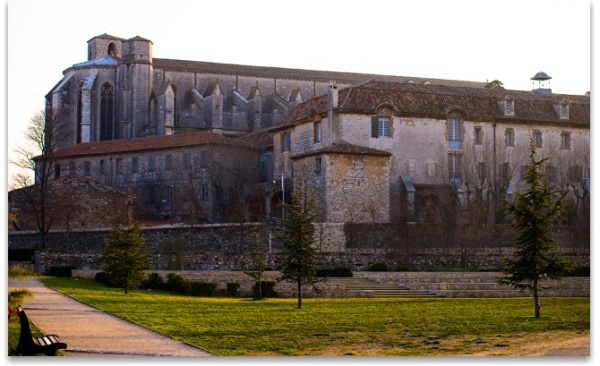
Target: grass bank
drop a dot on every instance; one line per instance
(334, 327)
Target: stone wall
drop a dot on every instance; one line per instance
(225, 247)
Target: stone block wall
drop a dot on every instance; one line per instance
(226, 247)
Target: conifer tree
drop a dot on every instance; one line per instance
(534, 213)
(297, 233)
(125, 257)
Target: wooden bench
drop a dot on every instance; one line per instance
(29, 345)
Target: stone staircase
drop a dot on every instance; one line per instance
(457, 284)
(364, 287)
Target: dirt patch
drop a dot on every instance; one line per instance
(543, 344)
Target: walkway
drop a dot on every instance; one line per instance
(88, 331)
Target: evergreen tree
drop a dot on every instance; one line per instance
(125, 257)
(534, 213)
(297, 233)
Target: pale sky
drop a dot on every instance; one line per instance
(476, 40)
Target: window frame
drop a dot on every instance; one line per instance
(454, 132)
(537, 138)
(382, 127)
(565, 140)
(509, 137)
(317, 132)
(478, 135)
(455, 166)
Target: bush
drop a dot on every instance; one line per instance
(402, 267)
(154, 282)
(176, 283)
(200, 288)
(267, 289)
(378, 267)
(233, 289)
(103, 277)
(61, 271)
(334, 272)
(579, 272)
(20, 254)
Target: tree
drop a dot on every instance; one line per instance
(534, 212)
(45, 134)
(125, 257)
(297, 232)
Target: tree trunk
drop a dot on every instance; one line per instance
(536, 299)
(299, 294)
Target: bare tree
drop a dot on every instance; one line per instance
(45, 134)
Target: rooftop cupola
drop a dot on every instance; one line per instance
(541, 78)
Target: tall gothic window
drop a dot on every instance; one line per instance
(79, 112)
(106, 112)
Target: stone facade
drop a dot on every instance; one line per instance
(122, 91)
(447, 148)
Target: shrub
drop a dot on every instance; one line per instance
(402, 267)
(61, 271)
(377, 267)
(154, 281)
(103, 277)
(233, 289)
(334, 272)
(579, 272)
(176, 283)
(267, 289)
(200, 288)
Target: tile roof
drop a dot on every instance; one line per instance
(436, 100)
(181, 140)
(260, 139)
(343, 148)
(294, 74)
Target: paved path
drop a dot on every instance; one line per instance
(88, 331)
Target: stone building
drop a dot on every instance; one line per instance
(122, 92)
(386, 152)
(197, 177)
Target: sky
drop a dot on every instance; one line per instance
(508, 40)
(475, 40)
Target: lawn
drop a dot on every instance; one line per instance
(334, 327)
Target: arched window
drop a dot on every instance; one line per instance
(112, 49)
(106, 112)
(79, 112)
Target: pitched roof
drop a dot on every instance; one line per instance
(181, 140)
(344, 148)
(437, 100)
(294, 74)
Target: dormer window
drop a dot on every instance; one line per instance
(562, 109)
(507, 106)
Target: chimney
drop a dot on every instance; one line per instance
(332, 95)
(333, 120)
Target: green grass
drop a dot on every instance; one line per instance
(325, 326)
